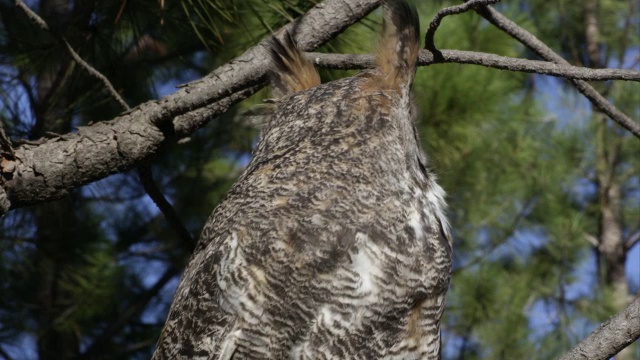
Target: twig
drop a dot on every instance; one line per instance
(125, 317)
(83, 64)
(366, 61)
(451, 10)
(610, 337)
(542, 50)
(95, 73)
(146, 178)
(633, 239)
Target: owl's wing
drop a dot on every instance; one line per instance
(196, 322)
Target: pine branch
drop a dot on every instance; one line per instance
(610, 337)
(542, 50)
(144, 171)
(451, 10)
(83, 64)
(632, 240)
(366, 61)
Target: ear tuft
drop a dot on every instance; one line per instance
(291, 71)
(399, 45)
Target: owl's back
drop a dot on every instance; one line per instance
(333, 244)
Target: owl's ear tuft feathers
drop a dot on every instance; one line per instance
(399, 44)
(291, 71)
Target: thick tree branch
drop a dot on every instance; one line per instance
(542, 50)
(610, 337)
(365, 61)
(49, 170)
(144, 171)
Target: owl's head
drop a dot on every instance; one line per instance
(396, 55)
(373, 107)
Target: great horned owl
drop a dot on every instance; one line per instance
(333, 244)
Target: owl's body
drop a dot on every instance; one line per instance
(333, 243)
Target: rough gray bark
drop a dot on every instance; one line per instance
(609, 338)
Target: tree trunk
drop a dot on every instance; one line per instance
(612, 254)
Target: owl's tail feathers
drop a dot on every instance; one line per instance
(290, 71)
(399, 44)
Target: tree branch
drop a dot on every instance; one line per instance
(542, 50)
(144, 171)
(632, 240)
(451, 10)
(150, 186)
(132, 310)
(49, 170)
(610, 337)
(366, 61)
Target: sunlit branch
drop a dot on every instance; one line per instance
(366, 61)
(542, 50)
(610, 337)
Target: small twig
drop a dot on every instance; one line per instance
(129, 313)
(592, 240)
(542, 50)
(610, 337)
(633, 239)
(95, 73)
(451, 10)
(365, 61)
(83, 64)
(146, 178)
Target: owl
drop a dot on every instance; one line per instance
(333, 244)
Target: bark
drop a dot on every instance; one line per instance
(612, 254)
(367, 61)
(610, 337)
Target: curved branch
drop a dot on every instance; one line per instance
(365, 61)
(451, 10)
(610, 337)
(542, 50)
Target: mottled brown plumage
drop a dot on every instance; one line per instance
(333, 244)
